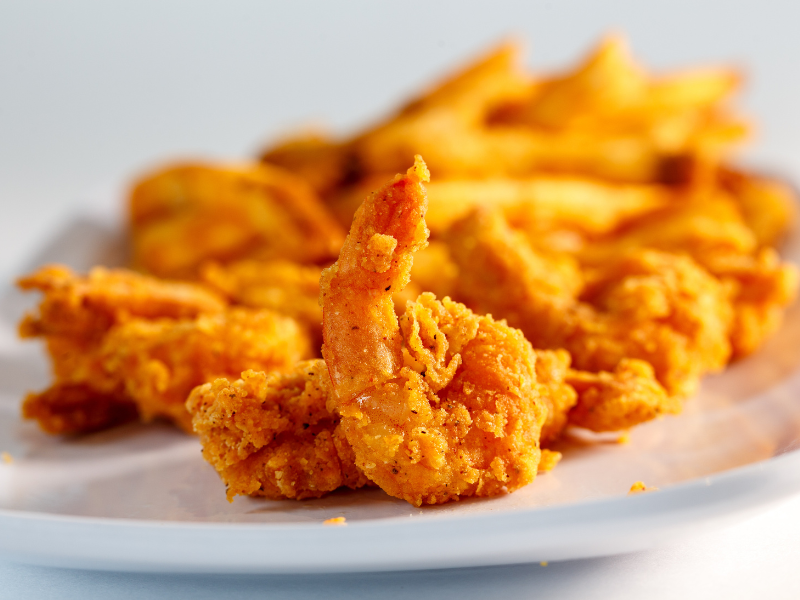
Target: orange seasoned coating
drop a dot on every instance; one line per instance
(87, 306)
(272, 435)
(552, 367)
(187, 214)
(768, 207)
(621, 399)
(550, 458)
(123, 343)
(160, 362)
(279, 285)
(77, 408)
(762, 286)
(713, 232)
(658, 307)
(442, 404)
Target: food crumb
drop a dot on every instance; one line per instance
(625, 438)
(543, 563)
(549, 459)
(335, 521)
(639, 487)
(6, 458)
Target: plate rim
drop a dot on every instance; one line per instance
(508, 537)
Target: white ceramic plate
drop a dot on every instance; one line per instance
(141, 497)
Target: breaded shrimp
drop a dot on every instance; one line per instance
(654, 306)
(628, 396)
(283, 286)
(443, 403)
(552, 367)
(87, 306)
(123, 344)
(272, 435)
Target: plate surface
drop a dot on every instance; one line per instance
(141, 497)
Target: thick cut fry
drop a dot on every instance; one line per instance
(272, 435)
(607, 82)
(583, 204)
(185, 215)
(318, 160)
(441, 405)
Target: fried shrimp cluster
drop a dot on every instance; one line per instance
(586, 252)
(442, 404)
(124, 344)
(272, 435)
(657, 307)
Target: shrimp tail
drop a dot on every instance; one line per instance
(362, 340)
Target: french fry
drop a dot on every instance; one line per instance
(187, 214)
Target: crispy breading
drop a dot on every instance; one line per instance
(552, 367)
(713, 232)
(127, 340)
(272, 435)
(160, 362)
(283, 286)
(443, 403)
(762, 286)
(88, 306)
(658, 307)
(76, 408)
(621, 399)
(187, 214)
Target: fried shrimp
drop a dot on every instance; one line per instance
(653, 306)
(441, 404)
(272, 435)
(626, 397)
(124, 344)
(284, 286)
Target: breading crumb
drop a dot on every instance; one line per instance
(639, 487)
(335, 521)
(6, 458)
(548, 461)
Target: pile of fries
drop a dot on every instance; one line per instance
(576, 250)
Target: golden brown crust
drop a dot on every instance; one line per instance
(282, 286)
(653, 306)
(272, 436)
(70, 409)
(441, 405)
(86, 307)
(624, 398)
(124, 339)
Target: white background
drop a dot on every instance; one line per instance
(94, 92)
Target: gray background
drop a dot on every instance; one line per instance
(94, 92)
